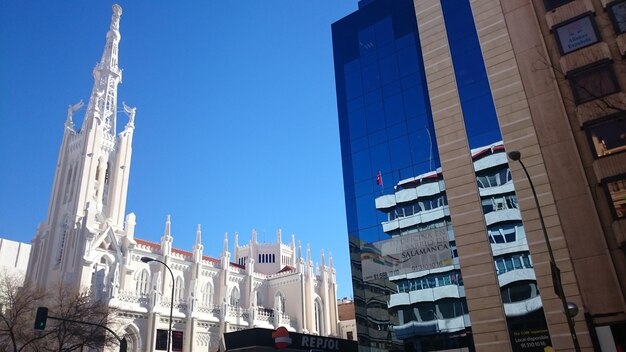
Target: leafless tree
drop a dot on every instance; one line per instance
(17, 313)
(17, 309)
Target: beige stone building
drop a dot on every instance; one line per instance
(432, 94)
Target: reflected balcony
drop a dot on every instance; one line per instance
(514, 275)
(426, 295)
(489, 161)
(519, 245)
(432, 327)
(522, 307)
(501, 215)
(496, 190)
(407, 195)
(422, 217)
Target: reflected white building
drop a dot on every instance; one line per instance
(431, 302)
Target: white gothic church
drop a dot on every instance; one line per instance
(87, 243)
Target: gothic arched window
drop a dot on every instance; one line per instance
(207, 294)
(319, 317)
(280, 302)
(142, 283)
(178, 289)
(234, 297)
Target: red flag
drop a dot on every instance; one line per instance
(379, 178)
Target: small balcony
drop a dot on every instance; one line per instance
(522, 307)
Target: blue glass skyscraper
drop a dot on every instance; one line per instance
(410, 272)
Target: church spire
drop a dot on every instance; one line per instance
(107, 75)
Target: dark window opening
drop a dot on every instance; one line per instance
(161, 340)
(553, 4)
(617, 12)
(616, 190)
(594, 81)
(608, 136)
(177, 340)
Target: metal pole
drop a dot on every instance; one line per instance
(169, 332)
(556, 273)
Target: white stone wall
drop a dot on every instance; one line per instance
(13, 257)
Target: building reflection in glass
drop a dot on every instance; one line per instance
(505, 231)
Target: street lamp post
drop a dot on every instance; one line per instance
(554, 269)
(169, 332)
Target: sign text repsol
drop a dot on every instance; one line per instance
(320, 342)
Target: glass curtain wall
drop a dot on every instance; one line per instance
(512, 260)
(408, 289)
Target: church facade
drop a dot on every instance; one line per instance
(88, 243)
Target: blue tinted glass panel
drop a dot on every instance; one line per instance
(417, 123)
(361, 165)
(367, 40)
(366, 211)
(461, 46)
(476, 89)
(380, 158)
(358, 144)
(388, 69)
(396, 130)
(407, 60)
(386, 50)
(354, 84)
(357, 124)
(414, 103)
(399, 157)
(406, 40)
(355, 104)
(480, 120)
(374, 96)
(371, 77)
(369, 58)
(421, 145)
(352, 66)
(392, 89)
(411, 80)
(378, 137)
(363, 188)
(384, 31)
(375, 117)
(394, 110)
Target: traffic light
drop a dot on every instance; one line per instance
(40, 318)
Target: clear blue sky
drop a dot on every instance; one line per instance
(236, 124)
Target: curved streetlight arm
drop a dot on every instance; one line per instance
(543, 224)
(556, 272)
(169, 332)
